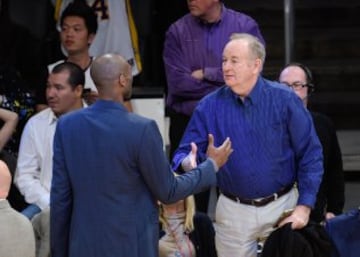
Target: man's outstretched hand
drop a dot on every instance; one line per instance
(219, 154)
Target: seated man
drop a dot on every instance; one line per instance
(78, 26)
(34, 167)
(16, 234)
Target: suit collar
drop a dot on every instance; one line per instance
(108, 104)
(4, 204)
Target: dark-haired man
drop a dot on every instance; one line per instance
(34, 166)
(78, 27)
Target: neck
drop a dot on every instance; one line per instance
(3, 195)
(110, 97)
(174, 209)
(213, 15)
(305, 102)
(76, 106)
(244, 90)
(83, 60)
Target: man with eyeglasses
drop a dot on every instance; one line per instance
(330, 198)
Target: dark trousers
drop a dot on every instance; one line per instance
(178, 123)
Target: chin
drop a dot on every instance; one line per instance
(229, 83)
(196, 13)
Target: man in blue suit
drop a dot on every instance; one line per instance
(109, 171)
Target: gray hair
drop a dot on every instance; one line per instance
(257, 49)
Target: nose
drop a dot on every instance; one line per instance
(225, 65)
(50, 92)
(68, 32)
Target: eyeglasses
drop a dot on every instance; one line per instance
(296, 85)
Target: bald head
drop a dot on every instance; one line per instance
(112, 76)
(5, 180)
(108, 68)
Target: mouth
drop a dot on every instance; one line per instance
(228, 76)
(69, 42)
(52, 104)
(192, 7)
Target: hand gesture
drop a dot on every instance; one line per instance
(219, 154)
(299, 218)
(189, 161)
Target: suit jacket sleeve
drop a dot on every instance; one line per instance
(158, 175)
(60, 200)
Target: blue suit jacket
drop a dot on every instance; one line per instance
(109, 170)
(344, 230)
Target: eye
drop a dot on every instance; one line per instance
(298, 85)
(285, 83)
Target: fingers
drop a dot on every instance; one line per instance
(284, 221)
(329, 215)
(219, 154)
(296, 222)
(226, 144)
(192, 156)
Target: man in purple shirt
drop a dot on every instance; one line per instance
(192, 57)
(275, 147)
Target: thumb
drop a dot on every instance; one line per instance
(193, 148)
(211, 140)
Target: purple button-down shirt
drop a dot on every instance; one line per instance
(191, 45)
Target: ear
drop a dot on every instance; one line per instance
(258, 66)
(78, 90)
(122, 80)
(91, 38)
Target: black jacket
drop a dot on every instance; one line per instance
(330, 197)
(311, 241)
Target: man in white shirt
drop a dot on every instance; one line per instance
(34, 167)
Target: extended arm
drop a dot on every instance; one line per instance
(10, 120)
(158, 175)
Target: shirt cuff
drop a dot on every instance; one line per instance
(214, 164)
(44, 202)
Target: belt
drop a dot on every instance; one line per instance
(259, 202)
